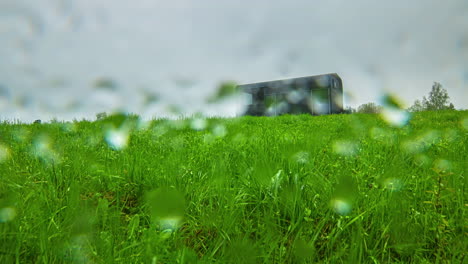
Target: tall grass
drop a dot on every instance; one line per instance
(288, 189)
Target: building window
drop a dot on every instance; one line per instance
(248, 98)
(320, 101)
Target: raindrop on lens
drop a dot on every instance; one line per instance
(393, 184)
(341, 207)
(117, 138)
(4, 153)
(393, 112)
(345, 147)
(442, 165)
(7, 214)
(143, 124)
(198, 124)
(208, 138)
(301, 157)
(219, 131)
(395, 117)
(177, 124)
(167, 207)
(464, 123)
(382, 135)
(451, 135)
(422, 160)
(170, 223)
(294, 97)
(422, 142)
(43, 150)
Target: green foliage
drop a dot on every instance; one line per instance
(287, 189)
(150, 97)
(225, 89)
(101, 116)
(417, 107)
(390, 101)
(438, 100)
(105, 84)
(369, 108)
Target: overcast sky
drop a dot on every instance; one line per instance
(74, 58)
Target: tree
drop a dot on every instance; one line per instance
(101, 116)
(438, 100)
(416, 107)
(369, 108)
(349, 110)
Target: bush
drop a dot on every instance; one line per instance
(369, 108)
(101, 116)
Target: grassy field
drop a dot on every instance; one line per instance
(288, 189)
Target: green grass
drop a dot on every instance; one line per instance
(289, 189)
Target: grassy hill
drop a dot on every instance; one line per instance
(288, 189)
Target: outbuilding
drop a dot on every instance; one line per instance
(316, 95)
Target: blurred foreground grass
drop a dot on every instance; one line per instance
(288, 189)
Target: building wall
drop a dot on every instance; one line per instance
(316, 95)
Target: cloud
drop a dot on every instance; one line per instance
(396, 46)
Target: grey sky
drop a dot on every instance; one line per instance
(54, 51)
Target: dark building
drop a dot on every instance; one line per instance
(316, 95)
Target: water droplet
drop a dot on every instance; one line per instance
(4, 153)
(149, 97)
(177, 143)
(395, 117)
(105, 84)
(393, 112)
(464, 123)
(167, 207)
(5, 92)
(177, 124)
(318, 105)
(117, 139)
(422, 142)
(295, 97)
(303, 250)
(442, 165)
(277, 108)
(451, 135)
(42, 148)
(68, 127)
(239, 138)
(198, 123)
(24, 101)
(77, 250)
(391, 101)
(341, 207)
(225, 90)
(393, 184)
(422, 160)
(174, 110)
(219, 131)
(208, 138)
(21, 134)
(160, 129)
(413, 146)
(143, 124)
(345, 147)
(7, 214)
(301, 157)
(382, 135)
(170, 223)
